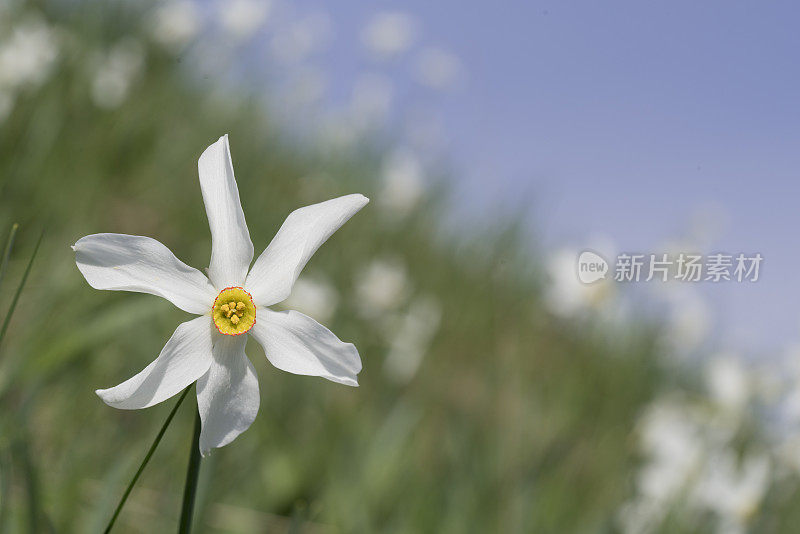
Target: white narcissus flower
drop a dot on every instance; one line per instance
(232, 303)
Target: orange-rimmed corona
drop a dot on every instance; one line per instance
(234, 312)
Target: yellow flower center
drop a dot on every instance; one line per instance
(234, 312)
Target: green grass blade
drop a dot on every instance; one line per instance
(5, 487)
(145, 461)
(7, 251)
(192, 473)
(20, 287)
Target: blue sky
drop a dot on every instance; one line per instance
(621, 119)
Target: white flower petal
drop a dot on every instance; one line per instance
(120, 262)
(227, 395)
(185, 358)
(302, 233)
(231, 248)
(296, 343)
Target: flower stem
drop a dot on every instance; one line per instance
(146, 459)
(192, 472)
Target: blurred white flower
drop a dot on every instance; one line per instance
(402, 177)
(787, 409)
(728, 383)
(790, 404)
(28, 54)
(787, 450)
(382, 286)
(371, 101)
(297, 41)
(565, 294)
(175, 23)
(733, 490)
(388, 34)
(116, 72)
(639, 516)
(437, 68)
(412, 339)
(313, 296)
(242, 18)
(692, 467)
(210, 349)
(673, 447)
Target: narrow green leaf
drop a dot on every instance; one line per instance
(192, 473)
(20, 287)
(7, 251)
(146, 460)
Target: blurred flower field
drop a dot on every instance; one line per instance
(497, 395)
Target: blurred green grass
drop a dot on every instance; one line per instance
(516, 421)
